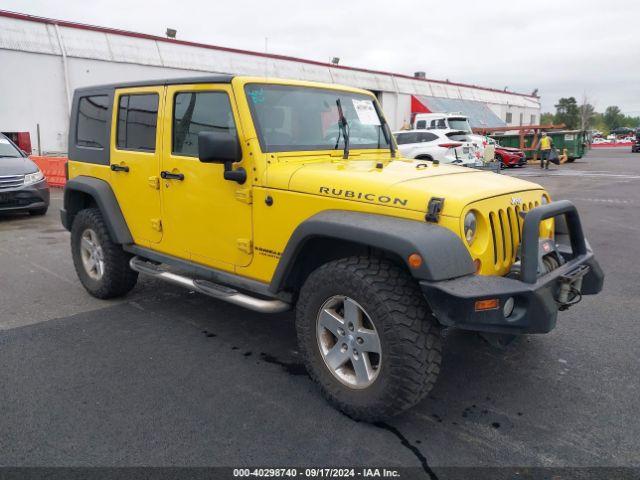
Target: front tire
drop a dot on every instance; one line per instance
(367, 337)
(102, 265)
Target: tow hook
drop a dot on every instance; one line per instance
(570, 287)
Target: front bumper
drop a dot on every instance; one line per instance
(453, 302)
(24, 198)
(514, 160)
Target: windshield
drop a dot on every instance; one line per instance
(460, 124)
(289, 118)
(7, 149)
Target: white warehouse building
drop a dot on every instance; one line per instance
(50, 58)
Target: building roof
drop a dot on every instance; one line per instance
(478, 113)
(68, 24)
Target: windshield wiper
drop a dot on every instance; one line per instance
(9, 156)
(342, 123)
(388, 135)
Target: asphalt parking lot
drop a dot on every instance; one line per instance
(168, 377)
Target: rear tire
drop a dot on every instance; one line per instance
(102, 265)
(393, 310)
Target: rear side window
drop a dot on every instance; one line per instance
(91, 129)
(421, 124)
(137, 121)
(195, 112)
(404, 138)
(426, 137)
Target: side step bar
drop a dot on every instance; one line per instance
(209, 288)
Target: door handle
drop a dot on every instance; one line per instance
(171, 176)
(119, 168)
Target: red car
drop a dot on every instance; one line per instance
(510, 157)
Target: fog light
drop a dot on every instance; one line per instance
(507, 309)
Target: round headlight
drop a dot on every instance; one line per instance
(544, 200)
(470, 224)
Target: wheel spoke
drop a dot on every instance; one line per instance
(91, 263)
(86, 244)
(99, 267)
(352, 312)
(331, 321)
(362, 368)
(370, 341)
(336, 357)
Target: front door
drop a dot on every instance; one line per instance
(202, 212)
(135, 160)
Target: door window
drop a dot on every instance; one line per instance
(92, 121)
(195, 112)
(137, 120)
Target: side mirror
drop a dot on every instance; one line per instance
(222, 147)
(218, 147)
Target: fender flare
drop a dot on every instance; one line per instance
(445, 256)
(106, 201)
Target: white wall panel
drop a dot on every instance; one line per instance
(85, 44)
(35, 97)
(28, 36)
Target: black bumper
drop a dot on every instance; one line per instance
(536, 307)
(25, 198)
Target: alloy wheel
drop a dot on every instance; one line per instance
(349, 342)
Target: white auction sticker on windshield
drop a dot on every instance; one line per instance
(366, 112)
(4, 140)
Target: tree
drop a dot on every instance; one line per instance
(586, 111)
(546, 118)
(567, 112)
(613, 117)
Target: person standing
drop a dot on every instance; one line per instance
(545, 150)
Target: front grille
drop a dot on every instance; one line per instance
(11, 181)
(506, 233)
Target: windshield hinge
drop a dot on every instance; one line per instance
(154, 182)
(244, 195)
(244, 245)
(156, 224)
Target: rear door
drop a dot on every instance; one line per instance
(135, 160)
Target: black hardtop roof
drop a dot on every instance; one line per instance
(152, 83)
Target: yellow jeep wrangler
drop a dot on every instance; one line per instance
(273, 194)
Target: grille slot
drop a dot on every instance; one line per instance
(506, 233)
(493, 236)
(11, 181)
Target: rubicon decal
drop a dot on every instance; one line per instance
(362, 196)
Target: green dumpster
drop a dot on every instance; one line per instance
(573, 140)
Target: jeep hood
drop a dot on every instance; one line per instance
(400, 183)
